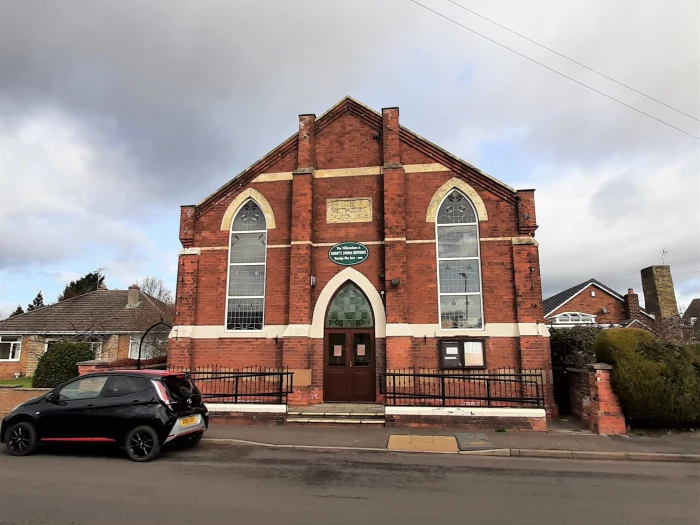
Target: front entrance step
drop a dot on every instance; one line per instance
(334, 421)
(337, 413)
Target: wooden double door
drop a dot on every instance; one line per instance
(349, 365)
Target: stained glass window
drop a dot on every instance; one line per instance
(459, 275)
(350, 309)
(245, 305)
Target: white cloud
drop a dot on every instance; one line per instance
(106, 122)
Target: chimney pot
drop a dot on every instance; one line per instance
(630, 291)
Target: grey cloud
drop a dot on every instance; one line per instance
(173, 99)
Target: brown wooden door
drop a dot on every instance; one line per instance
(349, 365)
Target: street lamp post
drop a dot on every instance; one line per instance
(161, 322)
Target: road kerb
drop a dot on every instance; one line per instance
(502, 452)
(499, 452)
(612, 456)
(650, 456)
(217, 441)
(537, 453)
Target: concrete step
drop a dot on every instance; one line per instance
(334, 421)
(335, 414)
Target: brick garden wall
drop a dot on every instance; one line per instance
(11, 396)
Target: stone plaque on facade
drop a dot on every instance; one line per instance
(349, 210)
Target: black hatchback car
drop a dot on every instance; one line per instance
(139, 410)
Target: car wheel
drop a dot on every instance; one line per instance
(21, 439)
(142, 444)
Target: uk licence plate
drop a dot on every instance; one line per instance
(187, 421)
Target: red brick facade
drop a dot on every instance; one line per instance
(608, 307)
(354, 152)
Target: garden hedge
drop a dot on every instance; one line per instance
(60, 363)
(658, 383)
(573, 346)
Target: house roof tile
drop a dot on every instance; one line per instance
(101, 311)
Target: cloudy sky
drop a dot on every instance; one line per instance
(112, 114)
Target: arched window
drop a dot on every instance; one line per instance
(459, 275)
(245, 301)
(349, 309)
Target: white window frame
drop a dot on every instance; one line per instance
(97, 347)
(16, 345)
(229, 264)
(134, 342)
(568, 318)
(438, 259)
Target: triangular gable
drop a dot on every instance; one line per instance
(349, 105)
(552, 304)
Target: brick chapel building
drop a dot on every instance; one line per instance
(356, 247)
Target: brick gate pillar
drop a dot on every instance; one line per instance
(398, 340)
(296, 347)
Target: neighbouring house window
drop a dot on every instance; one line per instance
(10, 347)
(459, 275)
(96, 347)
(573, 318)
(245, 300)
(94, 342)
(153, 345)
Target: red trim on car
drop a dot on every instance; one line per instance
(195, 431)
(81, 440)
(162, 373)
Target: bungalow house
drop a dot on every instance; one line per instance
(112, 321)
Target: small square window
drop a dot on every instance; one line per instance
(592, 293)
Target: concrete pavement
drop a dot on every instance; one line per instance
(277, 486)
(674, 447)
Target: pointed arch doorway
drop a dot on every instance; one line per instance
(349, 362)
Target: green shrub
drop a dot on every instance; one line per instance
(573, 346)
(658, 383)
(60, 363)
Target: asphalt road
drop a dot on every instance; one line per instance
(258, 486)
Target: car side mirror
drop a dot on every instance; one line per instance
(51, 397)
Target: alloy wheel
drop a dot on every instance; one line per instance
(19, 439)
(141, 444)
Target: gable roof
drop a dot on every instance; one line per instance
(349, 105)
(101, 311)
(693, 309)
(556, 301)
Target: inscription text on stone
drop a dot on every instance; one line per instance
(349, 210)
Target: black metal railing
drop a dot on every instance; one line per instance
(220, 384)
(464, 388)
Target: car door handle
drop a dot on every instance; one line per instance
(90, 407)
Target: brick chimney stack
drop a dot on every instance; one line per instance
(632, 310)
(134, 297)
(660, 300)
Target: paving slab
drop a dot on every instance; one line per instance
(403, 443)
(472, 441)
